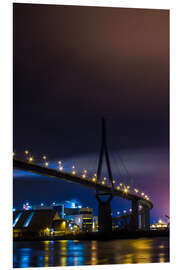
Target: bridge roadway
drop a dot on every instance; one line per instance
(38, 169)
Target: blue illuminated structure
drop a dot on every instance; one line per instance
(26, 224)
(16, 219)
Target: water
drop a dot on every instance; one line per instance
(74, 252)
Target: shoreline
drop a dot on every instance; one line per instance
(97, 236)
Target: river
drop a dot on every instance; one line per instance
(75, 252)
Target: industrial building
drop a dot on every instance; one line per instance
(38, 223)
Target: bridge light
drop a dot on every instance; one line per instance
(118, 213)
(105, 178)
(130, 210)
(124, 211)
(121, 184)
(94, 179)
(114, 181)
(31, 159)
(128, 187)
(125, 190)
(74, 172)
(118, 188)
(103, 182)
(26, 152)
(44, 157)
(136, 190)
(61, 168)
(85, 171)
(73, 167)
(83, 176)
(46, 164)
(95, 175)
(142, 194)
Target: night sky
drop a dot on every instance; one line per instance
(71, 66)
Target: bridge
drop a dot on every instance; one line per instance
(141, 204)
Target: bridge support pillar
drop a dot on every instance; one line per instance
(142, 221)
(147, 218)
(134, 215)
(104, 215)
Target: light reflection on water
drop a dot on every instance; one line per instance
(74, 252)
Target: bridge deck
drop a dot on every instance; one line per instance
(26, 166)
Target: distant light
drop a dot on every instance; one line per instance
(124, 211)
(79, 206)
(160, 221)
(83, 176)
(31, 159)
(103, 182)
(42, 204)
(73, 172)
(125, 190)
(73, 205)
(16, 219)
(73, 167)
(130, 210)
(44, 157)
(94, 179)
(118, 213)
(46, 164)
(121, 184)
(59, 162)
(26, 224)
(118, 188)
(114, 181)
(14, 209)
(61, 168)
(54, 203)
(142, 193)
(85, 171)
(26, 152)
(105, 178)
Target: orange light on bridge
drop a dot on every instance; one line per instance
(61, 168)
(121, 184)
(118, 188)
(46, 164)
(73, 172)
(128, 187)
(114, 181)
(83, 176)
(94, 179)
(103, 182)
(26, 152)
(142, 194)
(136, 190)
(85, 171)
(59, 162)
(44, 157)
(125, 190)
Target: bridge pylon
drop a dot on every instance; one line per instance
(104, 199)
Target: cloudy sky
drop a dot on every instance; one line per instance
(73, 65)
